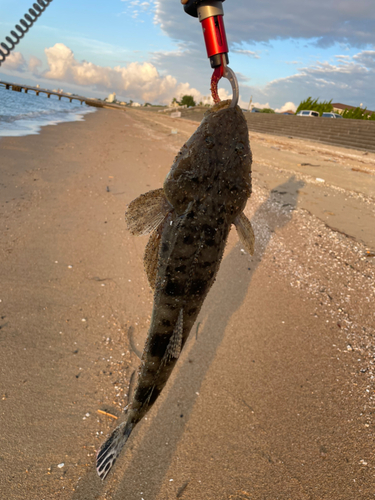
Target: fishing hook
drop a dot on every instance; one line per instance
(223, 71)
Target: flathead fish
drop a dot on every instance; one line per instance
(189, 219)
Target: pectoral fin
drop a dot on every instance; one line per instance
(147, 212)
(151, 257)
(245, 233)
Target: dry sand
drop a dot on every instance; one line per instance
(273, 397)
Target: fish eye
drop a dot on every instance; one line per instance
(210, 143)
(239, 147)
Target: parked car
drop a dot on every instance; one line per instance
(308, 113)
(331, 115)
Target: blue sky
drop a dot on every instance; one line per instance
(282, 50)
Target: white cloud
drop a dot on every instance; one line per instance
(288, 106)
(249, 53)
(191, 64)
(139, 81)
(346, 79)
(349, 80)
(323, 22)
(136, 7)
(366, 58)
(15, 61)
(34, 65)
(260, 106)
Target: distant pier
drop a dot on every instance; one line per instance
(96, 103)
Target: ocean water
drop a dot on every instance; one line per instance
(25, 114)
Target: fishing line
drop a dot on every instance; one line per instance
(26, 23)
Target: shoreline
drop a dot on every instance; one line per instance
(15, 164)
(34, 127)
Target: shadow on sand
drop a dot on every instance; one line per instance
(145, 472)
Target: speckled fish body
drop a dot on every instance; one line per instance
(189, 219)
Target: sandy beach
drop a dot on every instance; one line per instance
(273, 396)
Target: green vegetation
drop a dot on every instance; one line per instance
(315, 105)
(187, 100)
(262, 110)
(266, 110)
(326, 107)
(358, 114)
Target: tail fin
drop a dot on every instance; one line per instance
(110, 450)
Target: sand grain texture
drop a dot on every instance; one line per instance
(273, 394)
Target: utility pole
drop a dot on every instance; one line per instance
(251, 100)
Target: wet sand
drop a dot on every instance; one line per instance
(273, 394)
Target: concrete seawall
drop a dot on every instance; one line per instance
(357, 134)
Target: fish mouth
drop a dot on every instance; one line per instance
(220, 105)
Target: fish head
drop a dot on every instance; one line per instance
(214, 163)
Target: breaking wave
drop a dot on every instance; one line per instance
(24, 114)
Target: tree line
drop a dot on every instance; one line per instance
(307, 104)
(326, 107)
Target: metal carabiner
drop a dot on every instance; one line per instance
(223, 71)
